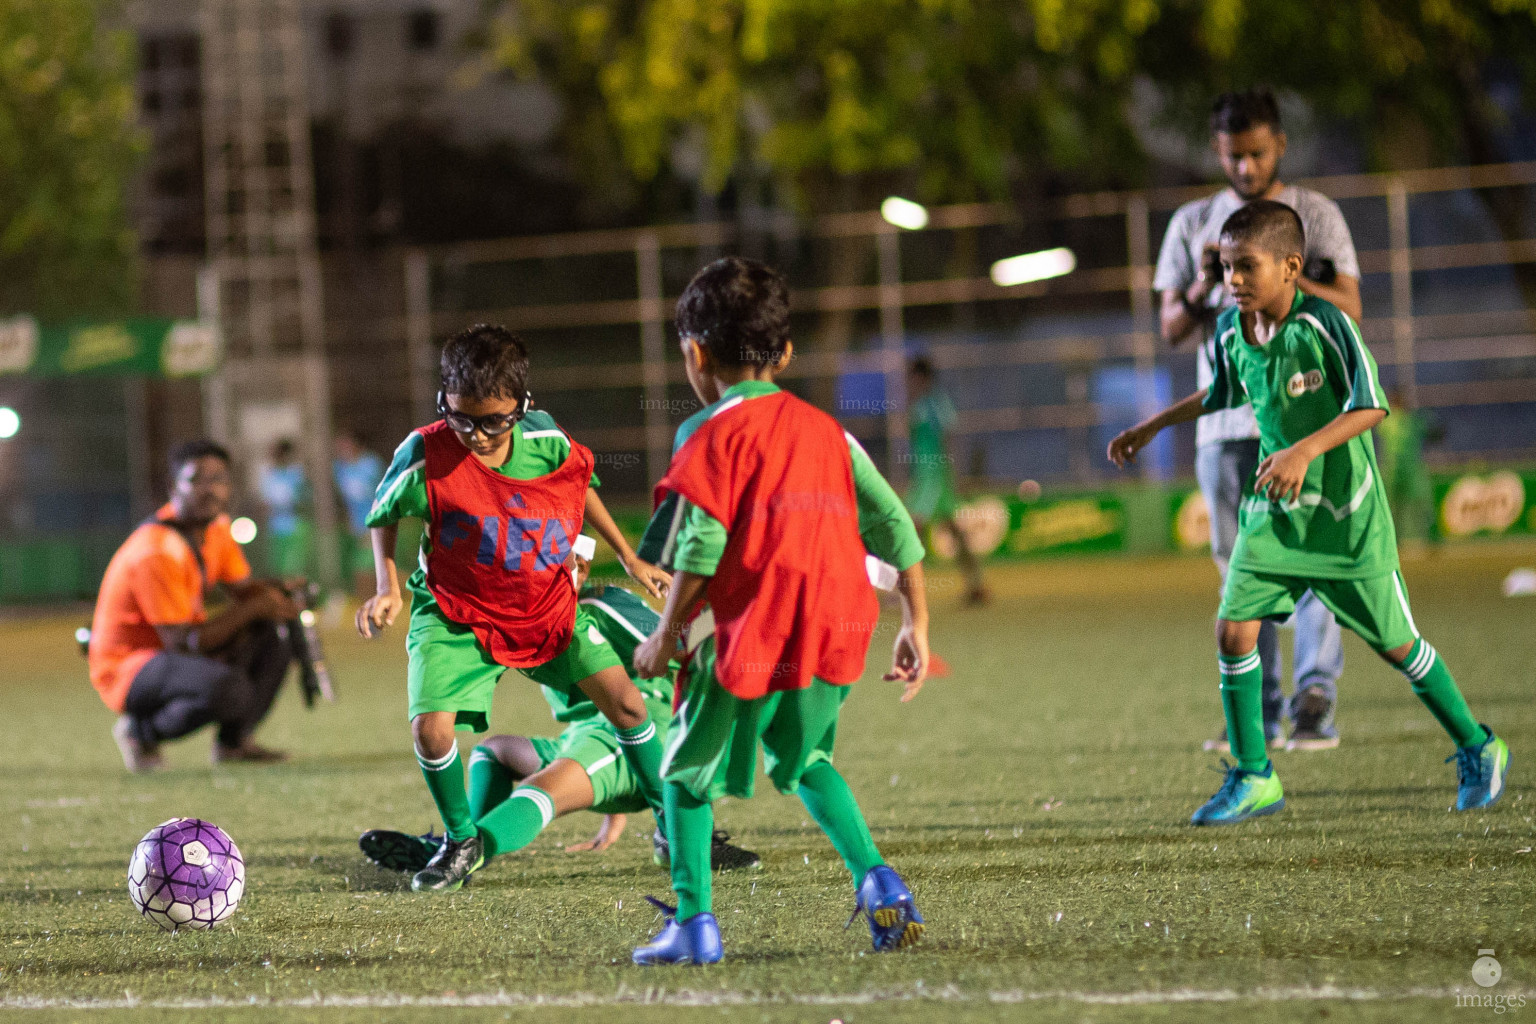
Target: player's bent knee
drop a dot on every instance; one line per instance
(1397, 655)
(432, 734)
(1235, 639)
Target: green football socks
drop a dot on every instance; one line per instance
(490, 782)
(832, 805)
(1242, 685)
(516, 821)
(1433, 683)
(690, 829)
(642, 749)
(445, 780)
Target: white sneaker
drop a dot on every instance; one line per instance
(136, 758)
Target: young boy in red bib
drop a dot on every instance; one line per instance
(780, 508)
(504, 492)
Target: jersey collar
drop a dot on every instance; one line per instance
(1296, 302)
(749, 389)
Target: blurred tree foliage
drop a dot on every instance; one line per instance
(68, 148)
(971, 98)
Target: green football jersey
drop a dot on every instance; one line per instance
(929, 421)
(1314, 369)
(625, 621)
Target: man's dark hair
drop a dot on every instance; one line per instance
(191, 451)
(1235, 112)
(1266, 223)
(739, 309)
(921, 367)
(485, 361)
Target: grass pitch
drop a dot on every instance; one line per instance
(1036, 801)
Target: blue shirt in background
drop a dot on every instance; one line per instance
(283, 490)
(356, 481)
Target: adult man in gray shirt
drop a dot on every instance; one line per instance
(1247, 138)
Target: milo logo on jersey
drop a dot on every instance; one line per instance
(521, 540)
(1304, 383)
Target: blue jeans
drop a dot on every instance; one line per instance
(1224, 471)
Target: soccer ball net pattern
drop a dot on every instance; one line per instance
(186, 873)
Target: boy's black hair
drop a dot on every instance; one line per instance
(1274, 226)
(191, 451)
(1235, 112)
(921, 367)
(485, 361)
(739, 309)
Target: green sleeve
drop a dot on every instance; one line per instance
(700, 543)
(402, 494)
(884, 523)
(1360, 373)
(1226, 391)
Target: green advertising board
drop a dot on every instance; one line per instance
(1495, 503)
(152, 346)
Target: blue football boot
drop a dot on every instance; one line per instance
(695, 941)
(1480, 772)
(1242, 795)
(884, 899)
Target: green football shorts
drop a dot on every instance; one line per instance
(1375, 608)
(448, 670)
(592, 744)
(711, 746)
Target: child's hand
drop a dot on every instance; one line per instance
(655, 581)
(909, 660)
(654, 652)
(607, 834)
(377, 612)
(1127, 443)
(1281, 475)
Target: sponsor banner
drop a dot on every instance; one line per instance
(1485, 504)
(1006, 527)
(152, 346)
(1189, 520)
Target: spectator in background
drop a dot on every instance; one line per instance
(357, 472)
(284, 489)
(931, 497)
(1247, 138)
(155, 656)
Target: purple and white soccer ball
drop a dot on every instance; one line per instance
(186, 873)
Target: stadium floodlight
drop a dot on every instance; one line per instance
(1033, 266)
(10, 422)
(243, 530)
(904, 213)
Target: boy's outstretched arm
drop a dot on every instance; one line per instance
(660, 647)
(1127, 443)
(909, 660)
(380, 609)
(654, 580)
(1281, 475)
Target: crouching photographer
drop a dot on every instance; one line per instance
(156, 657)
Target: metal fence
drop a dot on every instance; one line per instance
(1033, 368)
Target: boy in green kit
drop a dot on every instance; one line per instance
(519, 784)
(780, 509)
(503, 491)
(1317, 516)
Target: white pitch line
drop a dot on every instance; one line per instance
(652, 997)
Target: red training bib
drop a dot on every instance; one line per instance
(497, 562)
